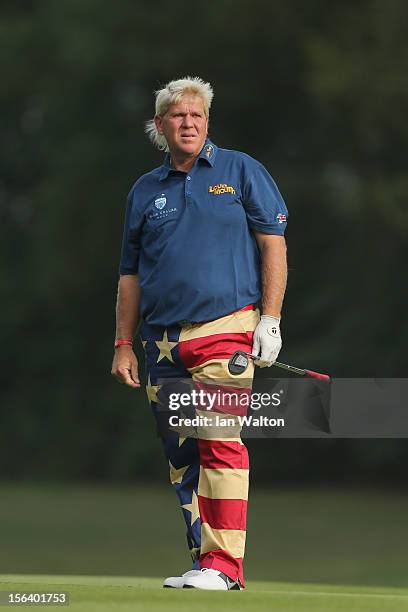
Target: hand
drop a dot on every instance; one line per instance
(125, 367)
(267, 341)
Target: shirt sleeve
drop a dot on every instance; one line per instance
(264, 206)
(129, 260)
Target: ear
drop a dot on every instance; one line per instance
(158, 123)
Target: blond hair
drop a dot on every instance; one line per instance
(172, 94)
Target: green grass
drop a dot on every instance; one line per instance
(311, 535)
(307, 549)
(108, 594)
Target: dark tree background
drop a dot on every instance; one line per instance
(318, 92)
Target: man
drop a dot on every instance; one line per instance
(203, 244)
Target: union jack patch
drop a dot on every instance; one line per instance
(281, 218)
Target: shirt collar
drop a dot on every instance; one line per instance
(208, 154)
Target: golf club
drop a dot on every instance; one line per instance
(240, 359)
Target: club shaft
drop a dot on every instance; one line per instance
(299, 371)
(289, 368)
(284, 366)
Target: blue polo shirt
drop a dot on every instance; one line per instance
(188, 236)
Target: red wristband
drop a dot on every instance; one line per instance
(123, 341)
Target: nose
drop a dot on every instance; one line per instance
(188, 120)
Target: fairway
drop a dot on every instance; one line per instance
(108, 594)
(316, 536)
(308, 550)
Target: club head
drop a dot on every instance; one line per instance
(238, 363)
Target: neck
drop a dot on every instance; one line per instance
(183, 163)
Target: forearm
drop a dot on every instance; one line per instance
(274, 275)
(127, 306)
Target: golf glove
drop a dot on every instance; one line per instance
(267, 341)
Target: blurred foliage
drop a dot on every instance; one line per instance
(317, 93)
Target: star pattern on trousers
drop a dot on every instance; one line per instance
(165, 347)
(176, 474)
(195, 553)
(151, 390)
(193, 508)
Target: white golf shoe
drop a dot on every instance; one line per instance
(177, 582)
(211, 580)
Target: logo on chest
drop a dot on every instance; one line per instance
(220, 189)
(160, 210)
(160, 202)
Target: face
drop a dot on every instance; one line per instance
(184, 126)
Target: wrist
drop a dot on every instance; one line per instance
(270, 319)
(123, 342)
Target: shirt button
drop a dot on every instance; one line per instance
(189, 178)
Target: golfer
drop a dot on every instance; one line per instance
(203, 268)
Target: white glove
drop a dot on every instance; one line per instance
(267, 341)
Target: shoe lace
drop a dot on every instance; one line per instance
(226, 578)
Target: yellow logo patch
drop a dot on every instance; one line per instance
(221, 188)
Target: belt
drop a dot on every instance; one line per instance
(249, 307)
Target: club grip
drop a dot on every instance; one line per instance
(312, 374)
